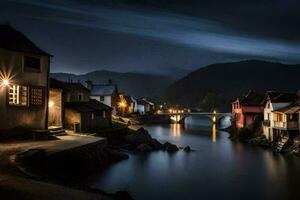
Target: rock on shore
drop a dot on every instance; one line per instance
(141, 141)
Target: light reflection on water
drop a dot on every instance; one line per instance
(217, 169)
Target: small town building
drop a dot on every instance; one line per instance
(87, 116)
(247, 109)
(274, 119)
(24, 81)
(144, 106)
(79, 112)
(104, 93)
(286, 122)
(132, 104)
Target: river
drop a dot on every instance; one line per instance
(218, 168)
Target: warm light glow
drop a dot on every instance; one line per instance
(5, 82)
(122, 104)
(214, 133)
(51, 104)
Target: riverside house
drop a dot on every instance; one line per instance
(286, 121)
(104, 93)
(280, 114)
(144, 106)
(79, 112)
(247, 109)
(24, 76)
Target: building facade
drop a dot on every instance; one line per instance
(247, 109)
(24, 74)
(272, 118)
(104, 93)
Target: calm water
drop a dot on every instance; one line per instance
(217, 169)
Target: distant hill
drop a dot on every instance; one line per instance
(136, 84)
(216, 85)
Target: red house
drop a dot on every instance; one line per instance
(247, 108)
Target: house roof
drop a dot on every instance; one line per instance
(103, 90)
(85, 107)
(66, 85)
(128, 99)
(291, 109)
(143, 101)
(252, 99)
(14, 40)
(280, 97)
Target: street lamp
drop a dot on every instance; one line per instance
(5, 82)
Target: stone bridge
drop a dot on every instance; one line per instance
(179, 117)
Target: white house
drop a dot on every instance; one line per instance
(144, 106)
(275, 101)
(104, 93)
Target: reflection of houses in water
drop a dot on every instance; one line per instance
(176, 130)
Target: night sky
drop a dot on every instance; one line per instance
(157, 36)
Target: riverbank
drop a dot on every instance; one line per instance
(45, 166)
(255, 137)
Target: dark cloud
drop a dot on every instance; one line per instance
(113, 35)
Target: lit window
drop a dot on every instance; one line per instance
(36, 96)
(18, 95)
(32, 64)
(93, 116)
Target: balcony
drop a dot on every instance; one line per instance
(267, 123)
(280, 125)
(291, 125)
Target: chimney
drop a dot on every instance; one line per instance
(88, 84)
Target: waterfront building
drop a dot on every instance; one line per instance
(277, 113)
(144, 106)
(248, 109)
(105, 93)
(24, 81)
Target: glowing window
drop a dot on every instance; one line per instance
(18, 95)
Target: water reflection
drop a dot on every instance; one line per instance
(214, 133)
(176, 130)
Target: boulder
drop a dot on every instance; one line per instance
(170, 147)
(155, 144)
(138, 137)
(187, 149)
(143, 148)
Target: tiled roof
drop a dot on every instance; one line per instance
(14, 40)
(103, 90)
